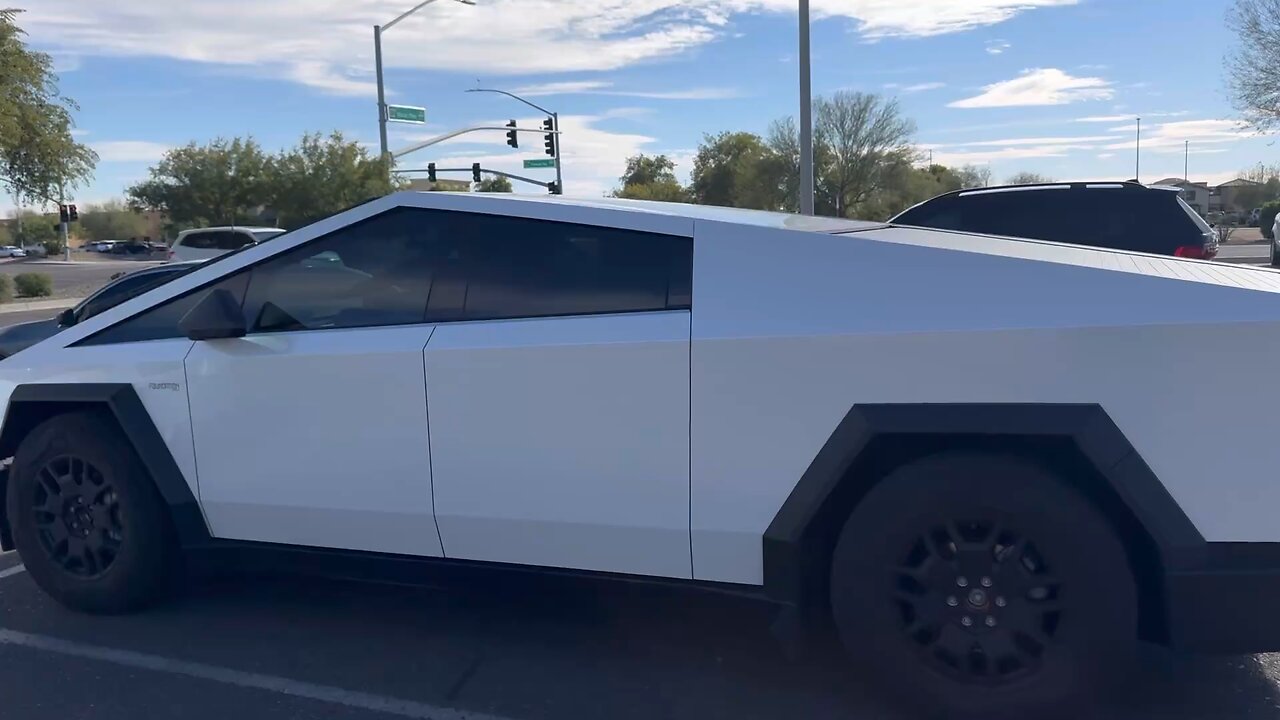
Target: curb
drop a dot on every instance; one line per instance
(26, 306)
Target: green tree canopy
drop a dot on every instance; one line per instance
(323, 175)
(1028, 178)
(651, 178)
(221, 183)
(112, 220)
(727, 171)
(494, 184)
(1253, 67)
(38, 156)
(37, 228)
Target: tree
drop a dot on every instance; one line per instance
(37, 228)
(727, 172)
(651, 178)
(862, 135)
(221, 183)
(974, 176)
(38, 155)
(322, 176)
(111, 220)
(1253, 69)
(494, 184)
(1028, 178)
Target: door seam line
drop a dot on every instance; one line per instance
(431, 473)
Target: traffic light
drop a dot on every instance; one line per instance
(550, 139)
(64, 213)
(431, 172)
(512, 138)
(553, 188)
(475, 172)
(72, 213)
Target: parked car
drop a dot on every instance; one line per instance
(968, 455)
(133, 247)
(12, 251)
(1121, 216)
(206, 243)
(101, 246)
(23, 335)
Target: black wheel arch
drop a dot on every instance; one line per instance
(33, 403)
(1077, 441)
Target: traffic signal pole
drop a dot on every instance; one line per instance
(555, 126)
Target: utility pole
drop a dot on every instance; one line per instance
(1137, 155)
(1186, 160)
(377, 62)
(806, 115)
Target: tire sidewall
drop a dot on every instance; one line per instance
(1090, 642)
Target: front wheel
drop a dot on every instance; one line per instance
(981, 586)
(89, 524)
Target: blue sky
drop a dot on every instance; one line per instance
(1050, 86)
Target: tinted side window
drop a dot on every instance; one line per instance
(530, 268)
(199, 241)
(161, 322)
(377, 272)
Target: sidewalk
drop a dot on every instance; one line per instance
(26, 305)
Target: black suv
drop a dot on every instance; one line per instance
(1120, 216)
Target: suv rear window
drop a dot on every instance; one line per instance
(217, 240)
(1149, 221)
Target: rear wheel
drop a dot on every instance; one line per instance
(981, 586)
(89, 524)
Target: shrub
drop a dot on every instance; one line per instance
(53, 247)
(6, 288)
(33, 284)
(1268, 217)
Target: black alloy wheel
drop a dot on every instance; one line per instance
(978, 600)
(77, 516)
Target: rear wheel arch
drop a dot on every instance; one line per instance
(32, 404)
(1078, 442)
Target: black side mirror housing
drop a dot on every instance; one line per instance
(216, 317)
(67, 317)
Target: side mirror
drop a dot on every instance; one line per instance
(67, 317)
(216, 316)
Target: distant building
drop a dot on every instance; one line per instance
(1197, 195)
(1228, 193)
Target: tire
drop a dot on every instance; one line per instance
(87, 520)
(984, 536)
(1275, 260)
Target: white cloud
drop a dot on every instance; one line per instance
(1106, 156)
(967, 156)
(997, 47)
(1039, 141)
(1040, 86)
(923, 87)
(1174, 134)
(600, 87)
(326, 43)
(1130, 116)
(129, 150)
(1104, 118)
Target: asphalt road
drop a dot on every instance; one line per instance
(74, 279)
(522, 650)
(1253, 253)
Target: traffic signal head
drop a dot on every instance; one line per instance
(549, 139)
(553, 188)
(72, 213)
(475, 172)
(431, 172)
(64, 213)
(512, 136)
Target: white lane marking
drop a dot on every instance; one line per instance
(285, 686)
(12, 571)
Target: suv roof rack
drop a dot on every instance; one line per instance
(1129, 185)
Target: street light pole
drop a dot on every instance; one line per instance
(1137, 154)
(1186, 160)
(377, 59)
(806, 115)
(555, 125)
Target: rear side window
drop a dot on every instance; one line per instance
(516, 267)
(231, 240)
(199, 241)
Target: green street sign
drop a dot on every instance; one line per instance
(406, 114)
(543, 163)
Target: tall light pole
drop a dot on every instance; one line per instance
(1186, 160)
(806, 114)
(1137, 154)
(377, 61)
(555, 125)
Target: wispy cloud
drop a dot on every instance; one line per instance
(129, 150)
(600, 87)
(1038, 141)
(327, 46)
(1106, 156)
(1174, 134)
(923, 87)
(1040, 86)
(997, 47)
(1130, 116)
